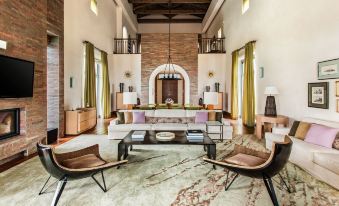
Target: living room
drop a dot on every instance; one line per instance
(173, 102)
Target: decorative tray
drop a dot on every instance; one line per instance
(165, 136)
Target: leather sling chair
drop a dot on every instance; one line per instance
(74, 165)
(255, 164)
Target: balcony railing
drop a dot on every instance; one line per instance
(211, 45)
(126, 46)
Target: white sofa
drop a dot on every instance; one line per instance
(119, 131)
(320, 162)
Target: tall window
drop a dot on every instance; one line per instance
(94, 6)
(245, 5)
(220, 33)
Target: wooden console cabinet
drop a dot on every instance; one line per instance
(80, 120)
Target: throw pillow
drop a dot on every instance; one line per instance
(218, 116)
(212, 116)
(121, 118)
(294, 128)
(186, 120)
(336, 142)
(151, 120)
(128, 117)
(302, 130)
(321, 135)
(139, 118)
(201, 117)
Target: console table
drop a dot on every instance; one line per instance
(261, 119)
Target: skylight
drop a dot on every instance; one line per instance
(245, 5)
(94, 6)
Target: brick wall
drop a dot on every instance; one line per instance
(24, 25)
(184, 52)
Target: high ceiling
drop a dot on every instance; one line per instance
(161, 11)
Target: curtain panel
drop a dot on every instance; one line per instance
(248, 111)
(90, 79)
(234, 86)
(106, 93)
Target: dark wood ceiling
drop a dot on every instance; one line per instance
(161, 11)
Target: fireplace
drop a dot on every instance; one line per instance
(9, 123)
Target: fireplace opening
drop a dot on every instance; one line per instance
(9, 123)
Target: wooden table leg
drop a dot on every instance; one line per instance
(258, 129)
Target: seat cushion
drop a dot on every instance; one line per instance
(121, 127)
(141, 127)
(169, 126)
(86, 161)
(328, 161)
(245, 160)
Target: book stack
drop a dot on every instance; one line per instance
(195, 135)
(138, 135)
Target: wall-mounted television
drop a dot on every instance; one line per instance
(16, 77)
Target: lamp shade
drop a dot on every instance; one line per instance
(129, 98)
(271, 90)
(211, 98)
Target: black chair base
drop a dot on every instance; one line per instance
(103, 180)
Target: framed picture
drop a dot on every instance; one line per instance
(318, 95)
(338, 105)
(328, 69)
(337, 88)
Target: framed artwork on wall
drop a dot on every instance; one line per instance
(318, 95)
(337, 88)
(328, 69)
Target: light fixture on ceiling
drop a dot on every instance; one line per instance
(169, 72)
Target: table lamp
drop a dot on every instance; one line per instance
(129, 99)
(270, 108)
(210, 99)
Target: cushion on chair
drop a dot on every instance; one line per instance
(294, 128)
(302, 130)
(245, 160)
(85, 161)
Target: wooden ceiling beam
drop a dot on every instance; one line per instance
(165, 11)
(172, 1)
(152, 21)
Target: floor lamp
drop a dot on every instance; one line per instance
(130, 99)
(210, 99)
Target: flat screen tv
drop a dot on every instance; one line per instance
(16, 77)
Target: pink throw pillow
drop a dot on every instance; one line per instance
(321, 135)
(139, 118)
(201, 117)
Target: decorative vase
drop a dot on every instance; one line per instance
(200, 102)
(130, 89)
(217, 86)
(208, 88)
(121, 86)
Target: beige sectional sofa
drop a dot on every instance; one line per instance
(320, 162)
(119, 131)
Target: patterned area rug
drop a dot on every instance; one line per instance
(162, 175)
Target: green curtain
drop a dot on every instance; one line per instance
(90, 81)
(106, 93)
(234, 87)
(248, 111)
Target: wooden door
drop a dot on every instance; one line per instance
(170, 90)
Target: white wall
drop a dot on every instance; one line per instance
(81, 24)
(120, 64)
(292, 36)
(217, 64)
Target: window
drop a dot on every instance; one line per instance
(245, 5)
(220, 33)
(94, 6)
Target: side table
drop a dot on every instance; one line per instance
(261, 119)
(215, 124)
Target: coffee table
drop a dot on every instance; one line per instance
(150, 139)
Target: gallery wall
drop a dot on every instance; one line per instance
(292, 37)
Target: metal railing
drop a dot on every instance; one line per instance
(127, 46)
(211, 45)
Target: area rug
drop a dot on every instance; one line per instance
(162, 175)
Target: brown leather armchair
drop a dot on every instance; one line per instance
(68, 166)
(257, 164)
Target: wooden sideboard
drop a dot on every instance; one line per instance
(80, 120)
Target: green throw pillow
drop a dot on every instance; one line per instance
(121, 118)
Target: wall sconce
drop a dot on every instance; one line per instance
(3, 44)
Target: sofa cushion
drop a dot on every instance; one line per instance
(141, 127)
(169, 126)
(85, 161)
(328, 161)
(302, 130)
(195, 126)
(121, 127)
(218, 116)
(321, 135)
(201, 117)
(245, 160)
(294, 128)
(336, 142)
(188, 120)
(169, 113)
(128, 117)
(138, 117)
(120, 118)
